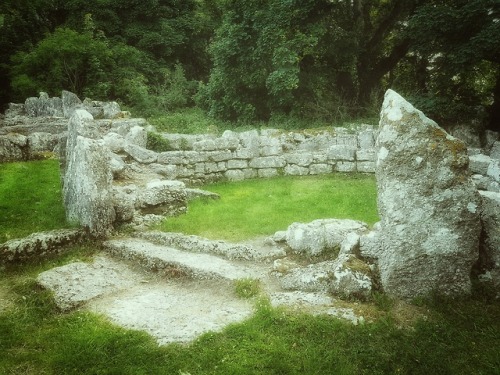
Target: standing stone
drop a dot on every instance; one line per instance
(490, 244)
(428, 205)
(87, 178)
(69, 103)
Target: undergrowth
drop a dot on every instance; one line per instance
(30, 198)
(195, 121)
(254, 208)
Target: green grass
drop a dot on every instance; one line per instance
(439, 336)
(254, 208)
(457, 337)
(196, 121)
(30, 198)
(247, 288)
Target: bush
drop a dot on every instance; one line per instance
(157, 143)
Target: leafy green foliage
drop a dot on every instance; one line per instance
(261, 207)
(312, 59)
(157, 143)
(241, 61)
(65, 59)
(25, 209)
(188, 121)
(454, 60)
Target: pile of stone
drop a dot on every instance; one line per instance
(33, 129)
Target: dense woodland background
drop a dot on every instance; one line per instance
(243, 61)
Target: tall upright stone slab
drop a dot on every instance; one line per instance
(428, 205)
(87, 177)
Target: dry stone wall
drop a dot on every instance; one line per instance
(237, 156)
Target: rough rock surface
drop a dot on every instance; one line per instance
(490, 246)
(176, 295)
(87, 178)
(321, 235)
(79, 282)
(345, 276)
(197, 244)
(428, 205)
(169, 195)
(38, 245)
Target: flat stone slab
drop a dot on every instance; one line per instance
(256, 249)
(77, 283)
(196, 265)
(314, 303)
(175, 312)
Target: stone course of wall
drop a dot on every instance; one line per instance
(237, 156)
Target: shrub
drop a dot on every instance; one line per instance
(157, 143)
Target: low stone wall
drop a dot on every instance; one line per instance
(237, 156)
(39, 245)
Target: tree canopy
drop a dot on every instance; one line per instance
(255, 60)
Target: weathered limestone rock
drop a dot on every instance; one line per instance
(321, 235)
(342, 152)
(76, 283)
(41, 141)
(495, 150)
(490, 246)
(140, 154)
(479, 164)
(102, 110)
(15, 110)
(114, 141)
(268, 162)
(10, 149)
(124, 198)
(428, 205)
(351, 278)
(234, 175)
(88, 177)
(43, 106)
(137, 136)
(347, 277)
(494, 170)
(169, 196)
(70, 102)
(38, 245)
(295, 170)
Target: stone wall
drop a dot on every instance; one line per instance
(267, 153)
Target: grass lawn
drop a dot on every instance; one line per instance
(261, 207)
(30, 198)
(455, 337)
(431, 336)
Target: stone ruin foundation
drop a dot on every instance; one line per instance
(435, 226)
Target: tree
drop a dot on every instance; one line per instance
(65, 59)
(284, 56)
(163, 33)
(453, 68)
